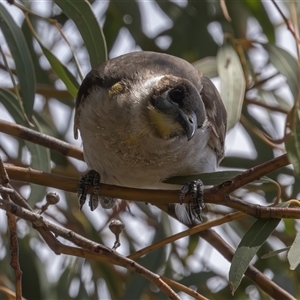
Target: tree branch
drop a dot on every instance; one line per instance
(215, 195)
(89, 249)
(42, 139)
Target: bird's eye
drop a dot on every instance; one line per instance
(177, 95)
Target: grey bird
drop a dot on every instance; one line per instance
(144, 117)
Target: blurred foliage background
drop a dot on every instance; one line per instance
(46, 49)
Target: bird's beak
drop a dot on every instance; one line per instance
(189, 123)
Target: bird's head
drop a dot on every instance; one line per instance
(175, 107)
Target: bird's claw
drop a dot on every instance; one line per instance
(90, 179)
(196, 188)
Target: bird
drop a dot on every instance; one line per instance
(144, 117)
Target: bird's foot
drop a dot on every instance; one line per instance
(196, 188)
(92, 179)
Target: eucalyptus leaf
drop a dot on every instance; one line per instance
(292, 143)
(81, 13)
(286, 64)
(22, 58)
(207, 178)
(10, 102)
(213, 178)
(233, 84)
(40, 156)
(62, 71)
(274, 253)
(294, 253)
(208, 66)
(252, 241)
(40, 160)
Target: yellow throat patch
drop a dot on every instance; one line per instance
(165, 125)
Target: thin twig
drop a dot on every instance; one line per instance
(14, 253)
(6, 190)
(13, 238)
(262, 81)
(264, 105)
(287, 21)
(188, 232)
(225, 10)
(263, 136)
(294, 13)
(253, 174)
(294, 17)
(184, 289)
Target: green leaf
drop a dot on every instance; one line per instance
(10, 102)
(62, 71)
(33, 271)
(233, 82)
(42, 76)
(207, 178)
(274, 253)
(81, 13)
(294, 253)
(248, 247)
(40, 160)
(208, 66)
(212, 178)
(286, 64)
(292, 144)
(59, 68)
(23, 61)
(40, 156)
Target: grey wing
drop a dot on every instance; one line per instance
(216, 114)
